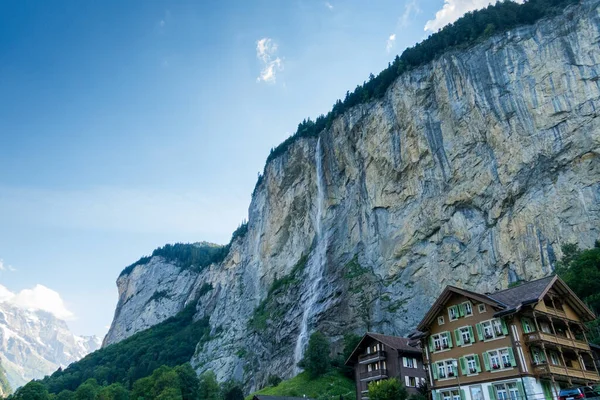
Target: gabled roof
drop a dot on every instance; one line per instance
(523, 293)
(534, 291)
(511, 300)
(403, 345)
(443, 298)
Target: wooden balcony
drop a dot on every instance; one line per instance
(372, 375)
(554, 311)
(557, 340)
(547, 369)
(371, 358)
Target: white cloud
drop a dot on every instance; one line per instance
(329, 5)
(38, 298)
(6, 267)
(453, 10)
(411, 8)
(390, 42)
(266, 52)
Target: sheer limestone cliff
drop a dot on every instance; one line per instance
(471, 171)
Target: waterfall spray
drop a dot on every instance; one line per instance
(316, 263)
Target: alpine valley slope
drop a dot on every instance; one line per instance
(471, 171)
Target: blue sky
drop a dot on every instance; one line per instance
(128, 125)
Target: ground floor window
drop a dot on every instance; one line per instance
(453, 394)
(508, 391)
(476, 393)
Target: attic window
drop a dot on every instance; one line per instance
(441, 320)
(481, 308)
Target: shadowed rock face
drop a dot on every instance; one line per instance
(471, 171)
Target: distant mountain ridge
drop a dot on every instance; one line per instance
(35, 343)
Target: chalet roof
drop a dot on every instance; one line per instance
(534, 291)
(403, 345)
(524, 293)
(264, 397)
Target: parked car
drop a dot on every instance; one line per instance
(582, 392)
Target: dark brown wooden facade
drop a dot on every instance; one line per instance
(379, 357)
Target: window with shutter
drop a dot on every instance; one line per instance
(453, 313)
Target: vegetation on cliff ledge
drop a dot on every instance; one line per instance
(466, 31)
(196, 256)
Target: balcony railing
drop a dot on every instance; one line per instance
(376, 374)
(558, 340)
(554, 311)
(373, 357)
(547, 369)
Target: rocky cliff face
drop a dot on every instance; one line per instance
(471, 171)
(34, 344)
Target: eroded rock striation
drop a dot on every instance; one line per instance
(472, 171)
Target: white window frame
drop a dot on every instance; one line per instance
(441, 367)
(441, 320)
(513, 391)
(481, 308)
(471, 364)
(453, 313)
(437, 342)
(487, 327)
(493, 327)
(465, 333)
(450, 368)
(501, 392)
(468, 306)
(505, 358)
(441, 340)
(494, 357)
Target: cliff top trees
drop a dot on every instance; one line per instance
(465, 31)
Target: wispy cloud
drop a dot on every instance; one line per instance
(329, 5)
(411, 8)
(38, 298)
(390, 42)
(6, 267)
(266, 52)
(453, 10)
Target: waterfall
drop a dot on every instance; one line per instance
(316, 263)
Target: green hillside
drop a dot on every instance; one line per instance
(329, 386)
(170, 343)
